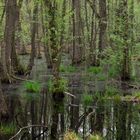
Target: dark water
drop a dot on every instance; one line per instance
(114, 120)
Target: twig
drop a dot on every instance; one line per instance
(21, 79)
(70, 94)
(26, 127)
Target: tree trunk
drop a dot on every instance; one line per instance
(9, 38)
(102, 26)
(3, 105)
(77, 48)
(33, 37)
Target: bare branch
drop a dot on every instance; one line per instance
(26, 127)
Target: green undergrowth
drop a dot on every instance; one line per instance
(111, 91)
(63, 86)
(135, 97)
(87, 100)
(32, 86)
(7, 129)
(95, 70)
(68, 69)
(74, 136)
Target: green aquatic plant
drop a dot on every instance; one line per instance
(117, 98)
(71, 136)
(111, 91)
(136, 95)
(94, 70)
(63, 86)
(87, 100)
(7, 129)
(113, 71)
(95, 137)
(67, 68)
(101, 77)
(32, 86)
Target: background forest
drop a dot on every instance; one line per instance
(69, 69)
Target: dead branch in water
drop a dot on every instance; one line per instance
(26, 127)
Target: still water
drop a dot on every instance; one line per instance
(113, 119)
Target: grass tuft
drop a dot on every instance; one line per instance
(33, 87)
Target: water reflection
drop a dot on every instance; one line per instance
(114, 120)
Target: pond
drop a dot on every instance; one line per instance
(87, 112)
(84, 114)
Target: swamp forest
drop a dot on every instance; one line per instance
(69, 69)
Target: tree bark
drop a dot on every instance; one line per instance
(33, 37)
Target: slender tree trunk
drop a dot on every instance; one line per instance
(33, 38)
(126, 49)
(54, 42)
(45, 44)
(77, 49)
(102, 26)
(3, 105)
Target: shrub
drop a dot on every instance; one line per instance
(71, 136)
(7, 129)
(111, 91)
(32, 86)
(63, 86)
(95, 137)
(94, 70)
(87, 100)
(67, 68)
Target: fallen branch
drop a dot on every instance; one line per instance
(70, 94)
(135, 86)
(21, 79)
(26, 127)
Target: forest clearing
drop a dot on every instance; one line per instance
(69, 69)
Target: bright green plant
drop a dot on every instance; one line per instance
(111, 91)
(71, 136)
(95, 137)
(87, 100)
(67, 68)
(32, 86)
(63, 86)
(137, 94)
(74, 136)
(94, 70)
